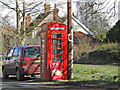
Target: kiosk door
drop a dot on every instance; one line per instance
(43, 52)
(57, 56)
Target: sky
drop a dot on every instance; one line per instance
(62, 9)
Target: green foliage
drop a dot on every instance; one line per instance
(114, 33)
(113, 49)
(100, 36)
(106, 53)
(83, 49)
(109, 47)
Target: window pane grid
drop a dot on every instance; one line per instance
(57, 45)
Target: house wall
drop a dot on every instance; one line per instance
(32, 41)
(79, 37)
(34, 38)
(119, 10)
(7, 43)
(47, 19)
(0, 42)
(78, 28)
(8, 40)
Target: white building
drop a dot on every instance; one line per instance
(119, 10)
(0, 38)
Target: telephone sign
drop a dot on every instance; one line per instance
(57, 28)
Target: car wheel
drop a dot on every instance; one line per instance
(5, 75)
(19, 75)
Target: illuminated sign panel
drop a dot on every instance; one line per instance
(57, 28)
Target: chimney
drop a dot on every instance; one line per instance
(28, 19)
(55, 15)
(47, 8)
(73, 14)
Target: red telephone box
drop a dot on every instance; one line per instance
(53, 51)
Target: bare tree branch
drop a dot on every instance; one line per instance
(35, 6)
(7, 6)
(96, 15)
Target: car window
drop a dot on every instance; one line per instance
(10, 53)
(15, 53)
(19, 52)
(32, 52)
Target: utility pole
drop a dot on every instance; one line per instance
(70, 49)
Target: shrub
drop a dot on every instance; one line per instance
(101, 54)
(113, 33)
(101, 37)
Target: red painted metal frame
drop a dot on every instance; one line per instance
(48, 29)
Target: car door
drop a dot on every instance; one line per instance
(14, 60)
(6, 66)
(8, 61)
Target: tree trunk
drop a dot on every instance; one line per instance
(18, 16)
(24, 25)
(21, 32)
(23, 41)
(18, 22)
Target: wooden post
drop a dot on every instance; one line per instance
(69, 67)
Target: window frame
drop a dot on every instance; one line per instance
(16, 52)
(11, 52)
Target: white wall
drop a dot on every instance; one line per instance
(119, 10)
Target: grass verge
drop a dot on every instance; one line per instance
(88, 76)
(95, 72)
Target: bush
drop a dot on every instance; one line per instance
(113, 33)
(100, 54)
(82, 50)
(101, 37)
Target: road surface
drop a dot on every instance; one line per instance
(31, 84)
(28, 83)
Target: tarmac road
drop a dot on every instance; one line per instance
(13, 84)
(30, 84)
(0, 78)
(27, 84)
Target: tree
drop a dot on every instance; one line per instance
(101, 37)
(113, 34)
(95, 14)
(17, 36)
(21, 9)
(7, 40)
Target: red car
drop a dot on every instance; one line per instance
(22, 60)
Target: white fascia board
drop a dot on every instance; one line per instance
(85, 29)
(77, 26)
